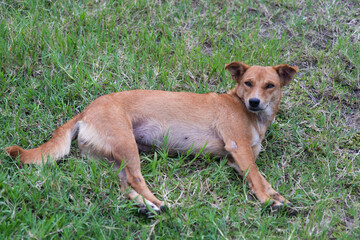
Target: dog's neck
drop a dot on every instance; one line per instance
(263, 117)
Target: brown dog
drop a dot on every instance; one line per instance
(118, 125)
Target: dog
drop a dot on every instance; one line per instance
(119, 125)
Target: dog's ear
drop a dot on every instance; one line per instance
(237, 70)
(286, 73)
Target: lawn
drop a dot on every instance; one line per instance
(58, 56)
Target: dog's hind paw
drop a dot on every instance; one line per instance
(164, 208)
(149, 209)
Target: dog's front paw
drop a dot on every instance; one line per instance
(287, 208)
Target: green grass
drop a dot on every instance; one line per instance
(58, 56)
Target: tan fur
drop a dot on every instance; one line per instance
(118, 125)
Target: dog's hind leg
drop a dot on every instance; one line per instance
(125, 150)
(115, 140)
(131, 194)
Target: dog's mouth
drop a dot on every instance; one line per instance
(255, 109)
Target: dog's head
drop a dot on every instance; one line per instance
(260, 87)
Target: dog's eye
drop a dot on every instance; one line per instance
(270, 85)
(247, 83)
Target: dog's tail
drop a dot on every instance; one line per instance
(57, 147)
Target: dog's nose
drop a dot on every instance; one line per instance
(254, 102)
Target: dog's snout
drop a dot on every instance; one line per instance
(254, 102)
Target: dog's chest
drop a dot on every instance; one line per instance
(177, 137)
(256, 141)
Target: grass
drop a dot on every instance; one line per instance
(58, 56)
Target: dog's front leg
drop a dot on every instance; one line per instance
(242, 159)
(273, 194)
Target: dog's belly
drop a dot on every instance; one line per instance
(177, 137)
